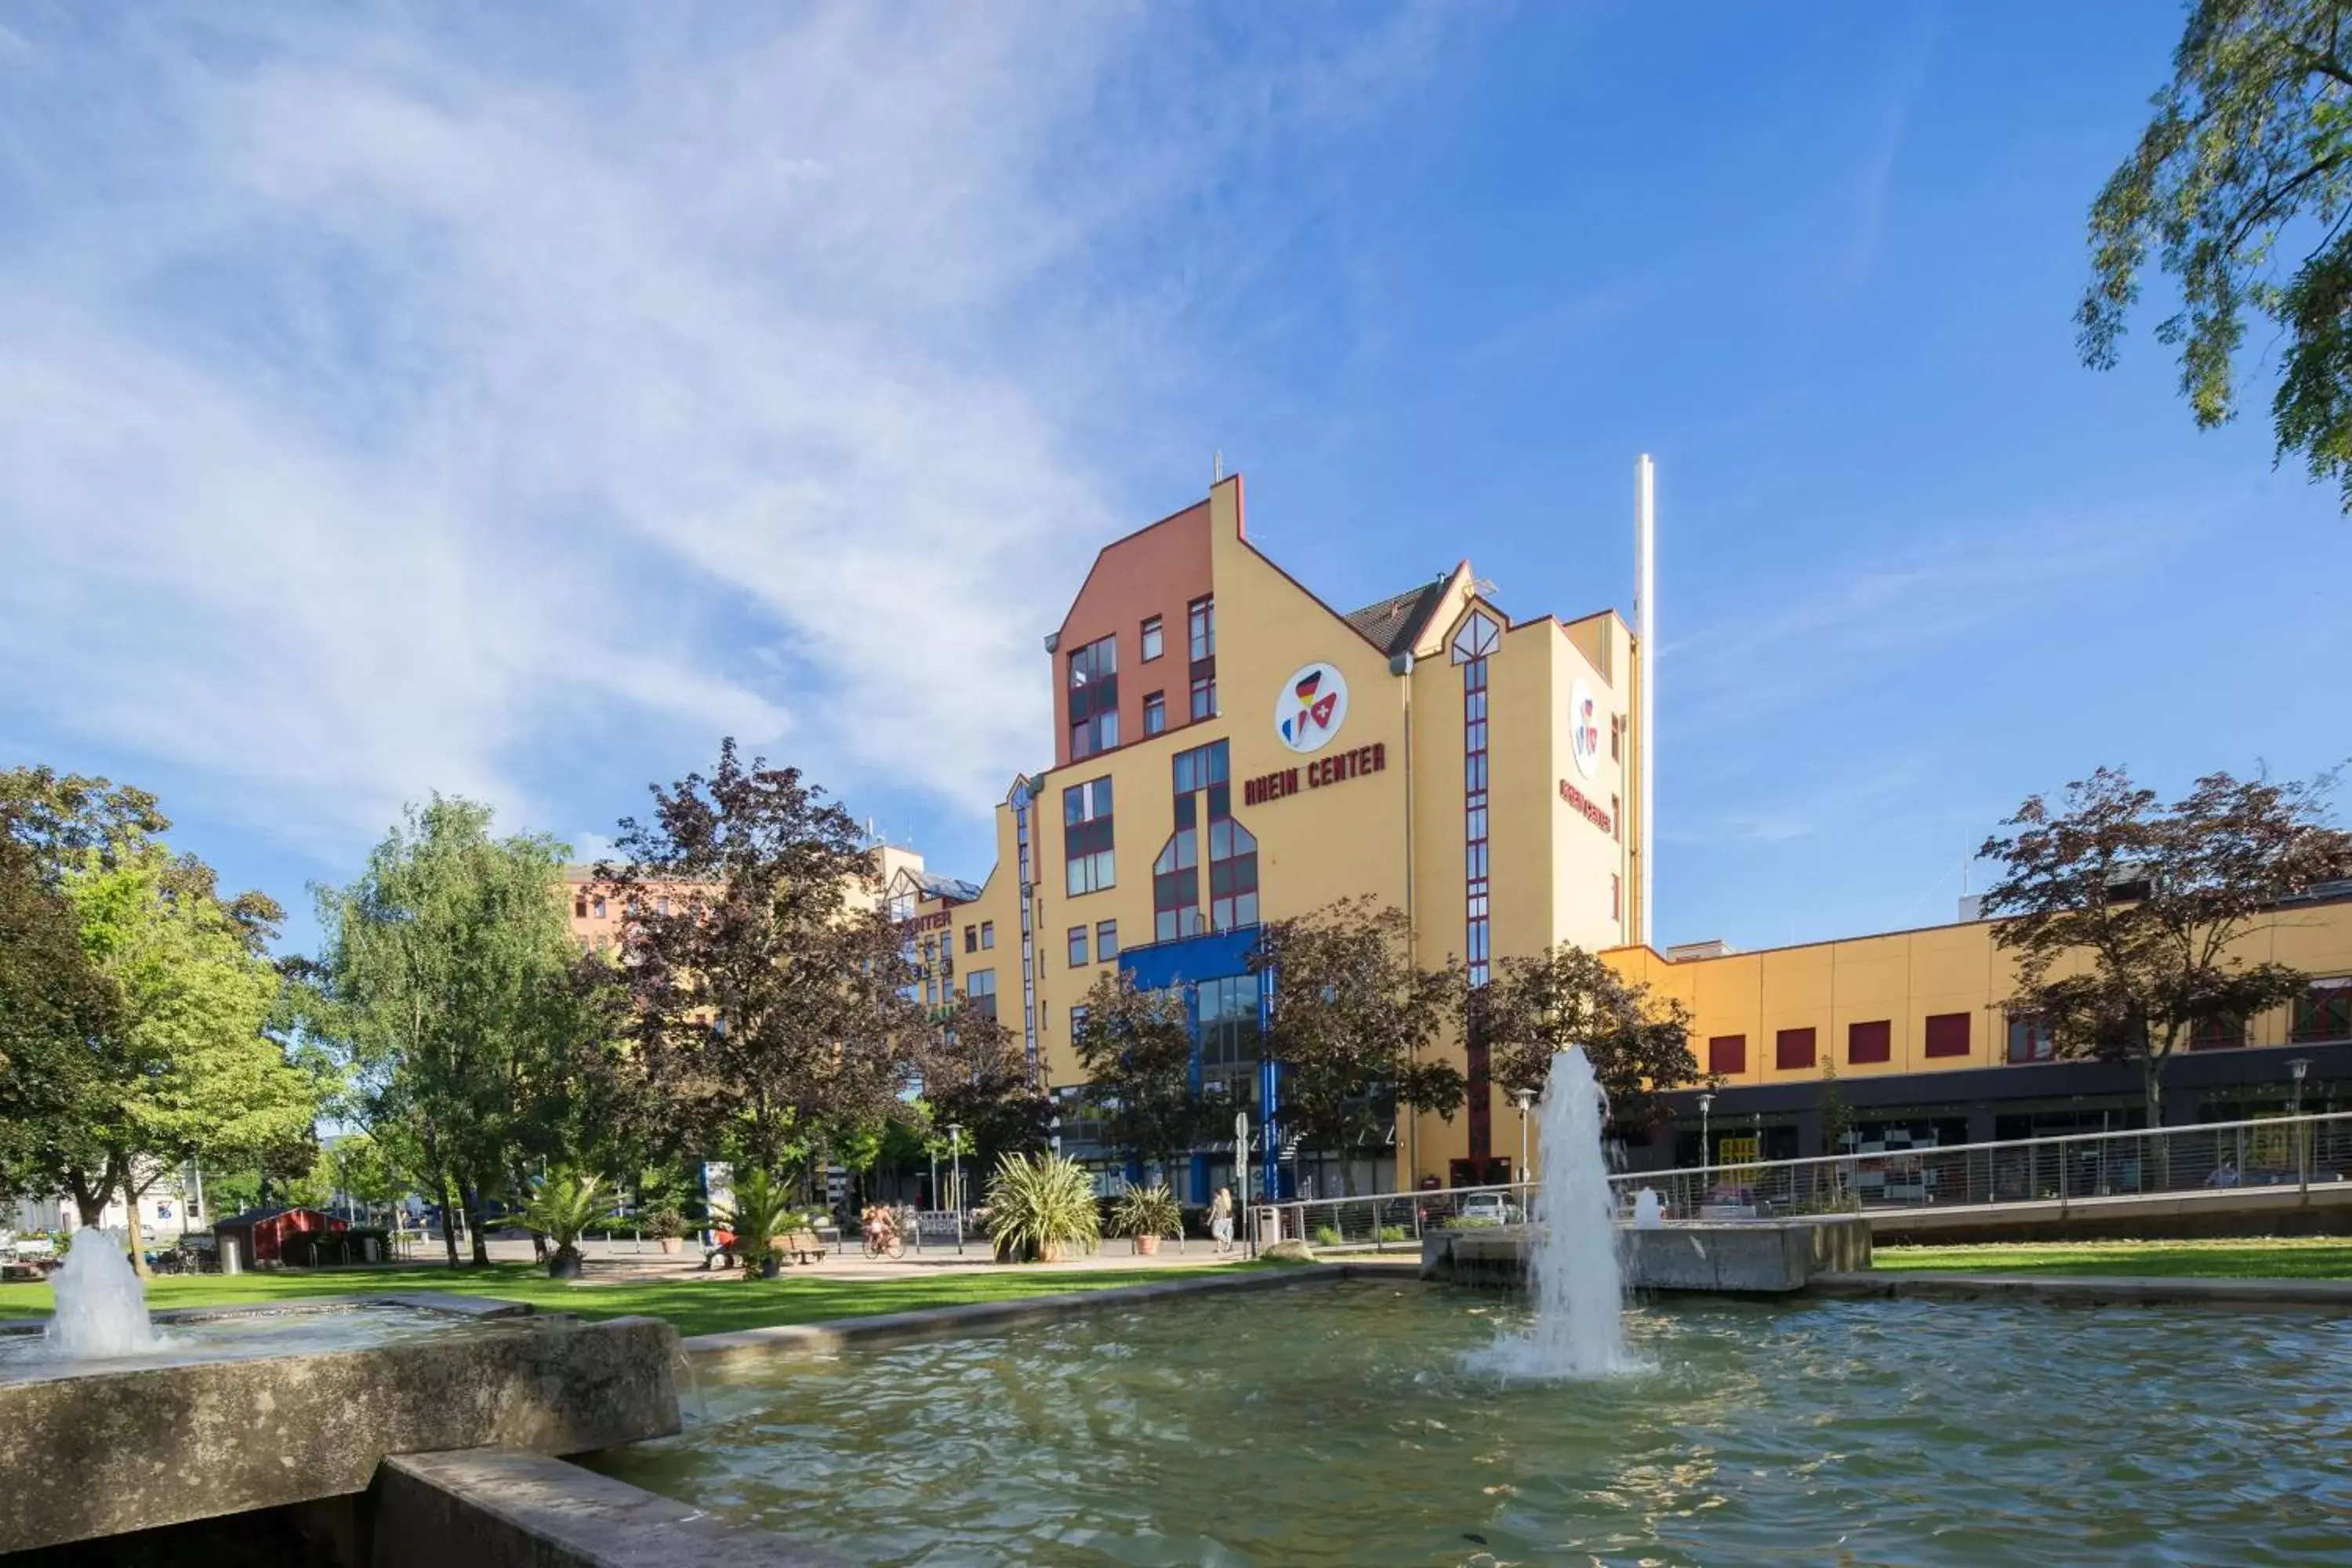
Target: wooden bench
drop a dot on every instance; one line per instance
(801, 1246)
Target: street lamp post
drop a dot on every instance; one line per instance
(2300, 1066)
(1706, 1154)
(1525, 1096)
(955, 1178)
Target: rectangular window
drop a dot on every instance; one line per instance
(972, 939)
(1616, 737)
(1727, 1054)
(1094, 698)
(2217, 1033)
(1155, 712)
(661, 906)
(1204, 698)
(1200, 620)
(981, 986)
(1152, 639)
(1616, 897)
(599, 907)
(987, 935)
(1792, 1050)
(1078, 1021)
(1078, 947)
(1871, 1042)
(1086, 837)
(1948, 1035)
(1106, 940)
(2322, 1012)
(579, 909)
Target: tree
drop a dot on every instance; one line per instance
(2251, 139)
(768, 986)
(1136, 1046)
(2123, 913)
(1352, 1017)
(150, 1051)
(469, 1022)
(1537, 1006)
(975, 1078)
(57, 1011)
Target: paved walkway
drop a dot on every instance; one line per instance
(621, 1261)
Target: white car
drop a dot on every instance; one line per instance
(1488, 1208)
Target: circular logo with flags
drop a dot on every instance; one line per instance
(1312, 707)
(1583, 729)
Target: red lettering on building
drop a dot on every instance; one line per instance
(1338, 768)
(1585, 808)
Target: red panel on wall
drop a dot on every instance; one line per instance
(1792, 1048)
(1871, 1042)
(1727, 1054)
(1948, 1035)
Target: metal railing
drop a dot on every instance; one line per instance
(2067, 1169)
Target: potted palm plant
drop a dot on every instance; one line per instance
(669, 1227)
(1039, 1206)
(563, 1204)
(762, 1210)
(1145, 1214)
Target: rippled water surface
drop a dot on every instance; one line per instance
(1340, 1426)
(245, 1335)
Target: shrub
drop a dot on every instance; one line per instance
(1147, 1211)
(1327, 1235)
(1471, 1222)
(762, 1209)
(1038, 1205)
(666, 1224)
(563, 1205)
(1395, 1232)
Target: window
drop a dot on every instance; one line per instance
(1200, 620)
(1201, 781)
(1086, 837)
(1155, 712)
(1094, 698)
(987, 935)
(1152, 639)
(1948, 1035)
(1078, 947)
(1472, 644)
(2217, 1033)
(1727, 1054)
(579, 909)
(1204, 697)
(981, 986)
(1106, 940)
(1229, 1040)
(1871, 1042)
(1792, 1050)
(1616, 897)
(598, 905)
(972, 939)
(2030, 1039)
(2322, 1012)
(1616, 737)
(1616, 819)
(661, 906)
(1078, 1021)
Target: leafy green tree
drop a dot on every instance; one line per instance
(767, 985)
(2123, 913)
(1136, 1046)
(1538, 1006)
(150, 1051)
(1353, 1021)
(2249, 152)
(476, 1036)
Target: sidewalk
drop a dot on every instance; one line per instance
(619, 1262)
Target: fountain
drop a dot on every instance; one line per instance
(102, 1304)
(1649, 1212)
(1573, 1273)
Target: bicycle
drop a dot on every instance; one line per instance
(885, 1237)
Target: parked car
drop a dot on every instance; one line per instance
(1489, 1208)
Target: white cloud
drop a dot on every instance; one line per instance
(381, 408)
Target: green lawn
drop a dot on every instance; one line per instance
(699, 1305)
(2251, 1257)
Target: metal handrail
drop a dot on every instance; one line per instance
(1744, 1163)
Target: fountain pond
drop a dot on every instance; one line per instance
(1367, 1424)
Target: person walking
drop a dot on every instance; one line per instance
(1221, 1219)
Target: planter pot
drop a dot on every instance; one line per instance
(770, 1267)
(564, 1265)
(672, 1246)
(1147, 1245)
(1052, 1252)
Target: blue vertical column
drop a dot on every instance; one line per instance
(1269, 1103)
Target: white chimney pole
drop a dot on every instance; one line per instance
(1645, 653)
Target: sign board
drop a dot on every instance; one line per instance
(1312, 706)
(1583, 729)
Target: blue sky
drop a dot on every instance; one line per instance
(466, 399)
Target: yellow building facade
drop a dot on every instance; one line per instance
(1231, 749)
